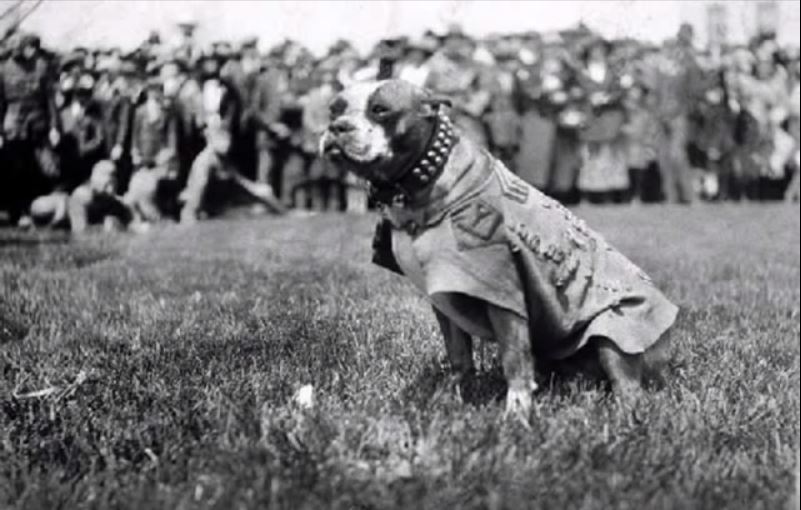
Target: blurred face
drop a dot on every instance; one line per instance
(597, 54)
(686, 35)
(714, 95)
(634, 95)
(83, 96)
(210, 67)
(765, 69)
(154, 93)
(219, 140)
(416, 57)
(29, 51)
(104, 181)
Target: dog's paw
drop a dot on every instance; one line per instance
(518, 404)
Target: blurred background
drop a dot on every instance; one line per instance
(129, 113)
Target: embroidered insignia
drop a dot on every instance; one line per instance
(478, 219)
(513, 187)
(567, 271)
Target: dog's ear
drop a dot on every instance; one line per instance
(431, 103)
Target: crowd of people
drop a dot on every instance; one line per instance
(113, 138)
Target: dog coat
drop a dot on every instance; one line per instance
(498, 239)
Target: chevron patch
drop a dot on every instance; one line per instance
(513, 187)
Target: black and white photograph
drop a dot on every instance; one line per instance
(409, 254)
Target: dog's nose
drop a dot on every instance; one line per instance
(341, 126)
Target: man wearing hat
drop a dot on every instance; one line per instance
(28, 127)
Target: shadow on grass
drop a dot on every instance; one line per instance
(11, 329)
(562, 379)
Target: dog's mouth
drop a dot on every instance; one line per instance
(357, 159)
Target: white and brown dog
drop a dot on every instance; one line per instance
(497, 258)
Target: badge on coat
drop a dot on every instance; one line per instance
(475, 224)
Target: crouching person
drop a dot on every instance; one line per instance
(151, 192)
(213, 182)
(50, 210)
(96, 203)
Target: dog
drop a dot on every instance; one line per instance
(498, 259)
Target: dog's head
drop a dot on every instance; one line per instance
(377, 129)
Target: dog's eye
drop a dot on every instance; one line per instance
(379, 110)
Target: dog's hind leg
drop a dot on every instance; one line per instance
(459, 346)
(512, 333)
(624, 371)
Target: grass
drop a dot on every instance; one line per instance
(169, 362)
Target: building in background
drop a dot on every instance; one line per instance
(736, 21)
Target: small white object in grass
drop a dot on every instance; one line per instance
(304, 397)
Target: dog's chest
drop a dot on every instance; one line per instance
(440, 278)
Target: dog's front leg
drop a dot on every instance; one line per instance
(459, 346)
(511, 332)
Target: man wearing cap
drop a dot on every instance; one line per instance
(28, 127)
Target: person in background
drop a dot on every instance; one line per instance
(258, 89)
(96, 202)
(324, 181)
(214, 181)
(184, 103)
(501, 118)
(151, 192)
(154, 128)
(414, 64)
(291, 157)
(28, 128)
(567, 101)
(715, 139)
(82, 141)
(455, 75)
(154, 143)
(118, 113)
(604, 174)
(537, 117)
(642, 134)
(793, 123)
(220, 102)
(675, 88)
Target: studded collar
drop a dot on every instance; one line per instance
(421, 173)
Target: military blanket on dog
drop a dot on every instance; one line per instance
(496, 238)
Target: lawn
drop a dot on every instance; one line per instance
(158, 371)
